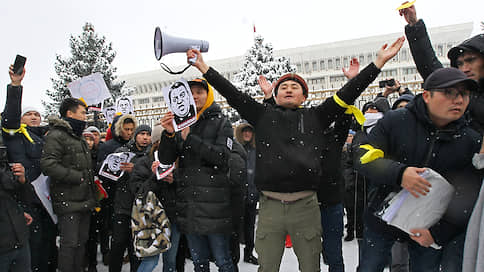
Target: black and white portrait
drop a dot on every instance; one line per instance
(180, 101)
(124, 105)
(111, 165)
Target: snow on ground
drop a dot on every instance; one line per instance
(289, 261)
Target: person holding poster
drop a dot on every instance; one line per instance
(203, 203)
(122, 131)
(181, 103)
(24, 138)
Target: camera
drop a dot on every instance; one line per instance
(383, 83)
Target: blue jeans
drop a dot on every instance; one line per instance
(202, 245)
(377, 251)
(17, 260)
(148, 264)
(169, 257)
(332, 223)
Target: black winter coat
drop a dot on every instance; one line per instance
(142, 176)
(20, 149)
(203, 188)
(331, 189)
(427, 62)
(288, 141)
(123, 195)
(14, 232)
(448, 151)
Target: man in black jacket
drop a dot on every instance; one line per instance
(24, 138)
(442, 141)
(67, 161)
(122, 130)
(123, 201)
(289, 145)
(203, 205)
(467, 57)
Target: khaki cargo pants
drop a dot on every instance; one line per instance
(301, 220)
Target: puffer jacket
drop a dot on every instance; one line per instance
(67, 161)
(448, 151)
(203, 188)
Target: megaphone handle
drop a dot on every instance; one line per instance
(194, 59)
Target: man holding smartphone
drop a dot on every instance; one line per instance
(24, 138)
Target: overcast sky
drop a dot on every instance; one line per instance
(40, 29)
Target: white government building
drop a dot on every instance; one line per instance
(319, 64)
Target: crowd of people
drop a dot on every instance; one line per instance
(297, 169)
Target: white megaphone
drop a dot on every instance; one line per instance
(166, 44)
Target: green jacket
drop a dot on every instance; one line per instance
(67, 161)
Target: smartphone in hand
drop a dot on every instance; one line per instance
(18, 65)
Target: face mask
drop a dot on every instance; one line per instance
(371, 119)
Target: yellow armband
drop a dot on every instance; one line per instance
(371, 155)
(350, 109)
(22, 129)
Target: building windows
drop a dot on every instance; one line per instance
(157, 99)
(144, 100)
(330, 64)
(298, 67)
(440, 50)
(345, 62)
(321, 65)
(338, 63)
(315, 66)
(361, 59)
(306, 67)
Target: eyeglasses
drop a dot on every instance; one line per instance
(454, 92)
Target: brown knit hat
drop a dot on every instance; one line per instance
(294, 77)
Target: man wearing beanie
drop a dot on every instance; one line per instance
(203, 201)
(123, 201)
(24, 138)
(289, 148)
(67, 161)
(122, 131)
(467, 57)
(442, 141)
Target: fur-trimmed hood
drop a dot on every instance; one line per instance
(238, 134)
(118, 123)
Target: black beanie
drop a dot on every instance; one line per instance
(141, 128)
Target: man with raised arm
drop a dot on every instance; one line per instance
(289, 146)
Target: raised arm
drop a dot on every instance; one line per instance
(11, 113)
(418, 39)
(248, 108)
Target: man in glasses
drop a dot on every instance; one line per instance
(429, 132)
